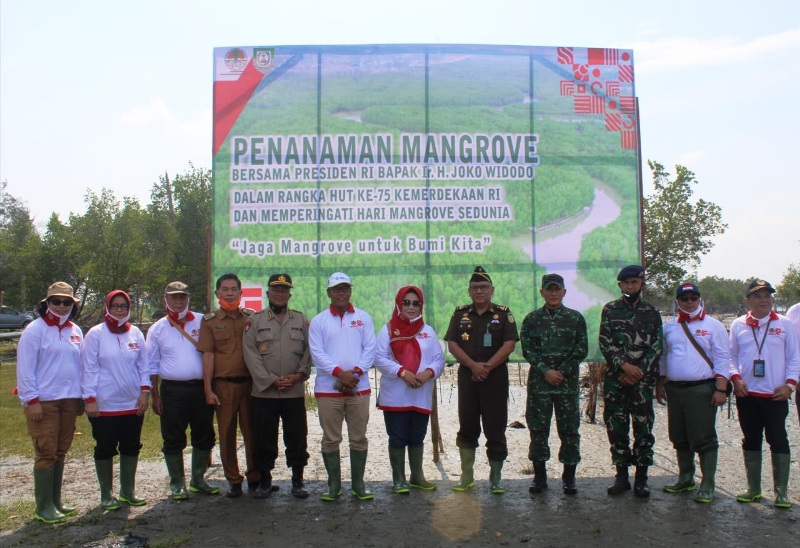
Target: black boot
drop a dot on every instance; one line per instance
(568, 479)
(640, 488)
(621, 483)
(264, 489)
(298, 489)
(539, 482)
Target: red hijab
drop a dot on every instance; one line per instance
(403, 332)
(113, 323)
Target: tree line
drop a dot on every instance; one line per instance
(116, 243)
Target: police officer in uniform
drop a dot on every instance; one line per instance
(226, 380)
(554, 342)
(481, 336)
(277, 356)
(631, 342)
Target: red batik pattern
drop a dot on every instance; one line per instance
(602, 83)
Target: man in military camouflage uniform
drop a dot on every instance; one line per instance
(481, 336)
(554, 343)
(631, 343)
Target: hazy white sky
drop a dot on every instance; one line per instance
(100, 94)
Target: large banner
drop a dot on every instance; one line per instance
(412, 164)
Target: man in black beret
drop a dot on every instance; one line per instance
(481, 335)
(631, 342)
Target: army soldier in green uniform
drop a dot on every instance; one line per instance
(554, 342)
(631, 342)
(277, 355)
(481, 336)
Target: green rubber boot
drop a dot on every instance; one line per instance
(199, 466)
(415, 458)
(105, 477)
(127, 480)
(781, 463)
(708, 467)
(333, 466)
(177, 479)
(397, 458)
(495, 476)
(58, 479)
(685, 473)
(467, 482)
(358, 463)
(43, 492)
(752, 465)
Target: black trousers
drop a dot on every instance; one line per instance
(483, 403)
(763, 417)
(120, 431)
(264, 421)
(185, 406)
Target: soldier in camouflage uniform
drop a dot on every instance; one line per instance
(554, 343)
(631, 342)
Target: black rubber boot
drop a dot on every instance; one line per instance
(539, 482)
(640, 488)
(621, 483)
(568, 479)
(298, 489)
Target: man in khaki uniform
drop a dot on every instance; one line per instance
(226, 379)
(276, 353)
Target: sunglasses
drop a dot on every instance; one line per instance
(115, 306)
(687, 298)
(61, 302)
(415, 304)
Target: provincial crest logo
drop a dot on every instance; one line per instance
(263, 59)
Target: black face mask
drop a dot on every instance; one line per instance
(277, 309)
(633, 297)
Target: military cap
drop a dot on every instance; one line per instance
(280, 279)
(631, 271)
(552, 279)
(480, 275)
(174, 288)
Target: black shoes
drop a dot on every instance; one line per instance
(640, 488)
(235, 492)
(621, 482)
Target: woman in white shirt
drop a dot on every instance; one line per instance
(115, 384)
(49, 387)
(410, 358)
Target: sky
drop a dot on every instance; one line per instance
(98, 94)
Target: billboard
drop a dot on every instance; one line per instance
(412, 164)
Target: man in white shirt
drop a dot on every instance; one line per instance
(693, 379)
(342, 344)
(180, 399)
(765, 363)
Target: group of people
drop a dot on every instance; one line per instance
(250, 368)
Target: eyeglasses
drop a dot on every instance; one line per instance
(480, 287)
(687, 298)
(61, 302)
(341, 289)
(114, 306)
(415, 304)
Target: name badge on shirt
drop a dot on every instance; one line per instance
(758, 368)
(487, 339)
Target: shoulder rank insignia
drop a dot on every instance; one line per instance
(248, 311)
(210, 316)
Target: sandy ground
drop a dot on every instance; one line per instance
(433, 518)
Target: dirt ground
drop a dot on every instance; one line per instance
(591, 518)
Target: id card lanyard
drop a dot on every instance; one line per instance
(763, 339)
(758, 365)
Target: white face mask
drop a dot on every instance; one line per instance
(181, 315)
(61, 319)
(120, 322)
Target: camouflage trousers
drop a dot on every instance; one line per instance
(621, 404)
(539, 415)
